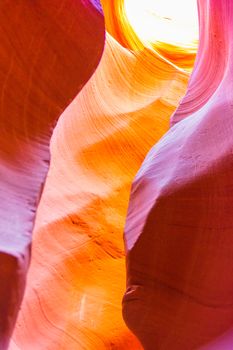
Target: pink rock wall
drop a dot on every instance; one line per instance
(178, 225)
(178, 233)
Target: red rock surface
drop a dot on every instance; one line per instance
(77, 275)
(178, 227)
(178, 232)
(48, 52)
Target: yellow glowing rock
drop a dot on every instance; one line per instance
(77, 275)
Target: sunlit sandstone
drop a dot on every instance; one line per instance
(77, 276)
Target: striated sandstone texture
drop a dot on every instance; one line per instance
(48, 52)
(77, 276)
(178, 232)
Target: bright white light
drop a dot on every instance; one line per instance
(170, 21)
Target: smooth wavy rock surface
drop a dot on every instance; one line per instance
(77, 276)
(178, 232)
(48, 52)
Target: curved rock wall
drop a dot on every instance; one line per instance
(77, 275)
(45, 60)
(178, 232)
(179, 295)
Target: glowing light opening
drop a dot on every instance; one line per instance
(170, 21)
